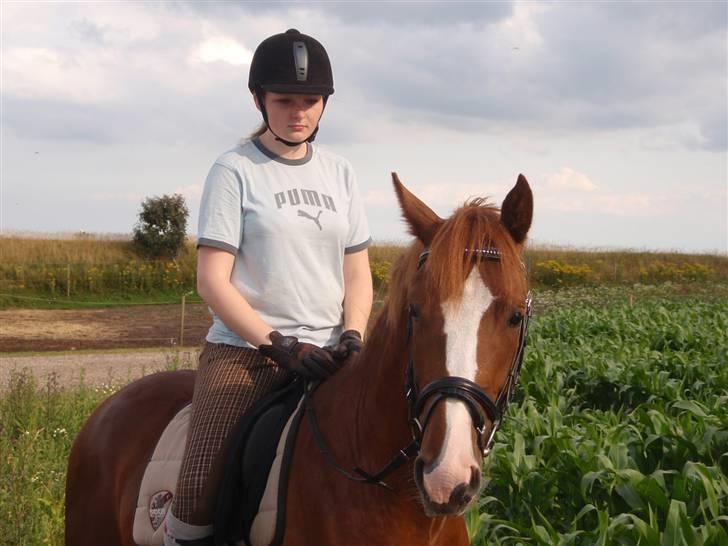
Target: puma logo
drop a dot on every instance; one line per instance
(307, 215)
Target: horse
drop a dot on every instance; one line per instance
(392, 449)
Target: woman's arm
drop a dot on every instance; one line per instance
(214, 267)
(358, 292)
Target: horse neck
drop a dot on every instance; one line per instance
(381, 419)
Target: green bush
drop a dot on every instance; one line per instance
(162, 226)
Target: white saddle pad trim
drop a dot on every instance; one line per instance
(262, 532)
(161, 474)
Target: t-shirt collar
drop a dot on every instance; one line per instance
(302, 161)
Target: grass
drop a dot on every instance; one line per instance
(90, 271)
(618, 434)
(37, 428)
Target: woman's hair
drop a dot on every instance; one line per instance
(262, 128)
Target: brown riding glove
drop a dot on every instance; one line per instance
(304, 359)
(349, 342)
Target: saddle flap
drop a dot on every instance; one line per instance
(252, 450)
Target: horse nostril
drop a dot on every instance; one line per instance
(475, 477)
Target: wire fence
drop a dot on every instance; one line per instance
(65, 301)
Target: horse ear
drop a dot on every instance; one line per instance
(423, 222)
(517, 210)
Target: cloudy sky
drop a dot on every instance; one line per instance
(616, 112)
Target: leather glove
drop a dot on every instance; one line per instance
(304, 359)
(349, 342)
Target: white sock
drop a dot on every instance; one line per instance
(176, 528)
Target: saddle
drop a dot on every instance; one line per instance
(252, 496)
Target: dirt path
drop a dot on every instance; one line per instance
(101, 346)
(98, 368)
(134, 327)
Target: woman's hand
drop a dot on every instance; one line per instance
(304, 359)
(349, 342)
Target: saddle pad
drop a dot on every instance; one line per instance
(263, 530)
(160, 481)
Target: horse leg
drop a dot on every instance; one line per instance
(110, 454)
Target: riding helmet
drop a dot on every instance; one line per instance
(291, 62)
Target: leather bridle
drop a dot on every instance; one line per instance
(480, 406)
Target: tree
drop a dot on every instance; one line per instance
(162, 226)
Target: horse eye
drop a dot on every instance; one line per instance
(414, 311)
(515, 319)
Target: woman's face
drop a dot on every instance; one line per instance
(293, 117)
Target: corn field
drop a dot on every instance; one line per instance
(619, 434)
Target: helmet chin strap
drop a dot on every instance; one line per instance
(292, 144)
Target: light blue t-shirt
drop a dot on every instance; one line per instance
(289, 224)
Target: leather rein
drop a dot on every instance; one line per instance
(480, 406)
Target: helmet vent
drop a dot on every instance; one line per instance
(300, 59)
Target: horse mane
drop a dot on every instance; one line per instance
(475, 225)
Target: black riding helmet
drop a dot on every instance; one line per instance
(290, 62)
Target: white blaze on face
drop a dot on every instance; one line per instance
(462, 320)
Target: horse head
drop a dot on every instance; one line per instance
(463, 292)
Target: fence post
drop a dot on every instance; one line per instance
(182, 319)
(68, 280)
(182, 322)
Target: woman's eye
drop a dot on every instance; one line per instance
(516, 318)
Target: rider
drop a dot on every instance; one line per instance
(282, 263)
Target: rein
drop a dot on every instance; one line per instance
(479, 404)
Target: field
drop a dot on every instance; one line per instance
(618, 434)
(88, 272)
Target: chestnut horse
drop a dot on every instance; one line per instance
(440, 364)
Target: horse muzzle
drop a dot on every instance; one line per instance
(444, 491)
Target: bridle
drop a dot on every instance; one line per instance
(479, 404)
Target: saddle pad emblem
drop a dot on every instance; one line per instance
(159, 504)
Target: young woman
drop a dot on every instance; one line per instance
(282, 264)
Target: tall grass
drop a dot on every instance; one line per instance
(38, 423)
(37, 428)
(98, 268)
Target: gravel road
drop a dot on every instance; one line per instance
(95, 368)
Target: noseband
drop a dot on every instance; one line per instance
(480, 406)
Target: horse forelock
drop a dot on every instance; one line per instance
(475, 225)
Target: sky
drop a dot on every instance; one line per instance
(616, 112)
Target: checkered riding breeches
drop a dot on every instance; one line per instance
(229, 381)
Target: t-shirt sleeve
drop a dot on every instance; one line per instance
(220, 221)
(359, 237)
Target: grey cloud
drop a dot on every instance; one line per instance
(682, 19)
(403, 13)
(152, 115)
(56, 120)
(584, 75)
(89, 31)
